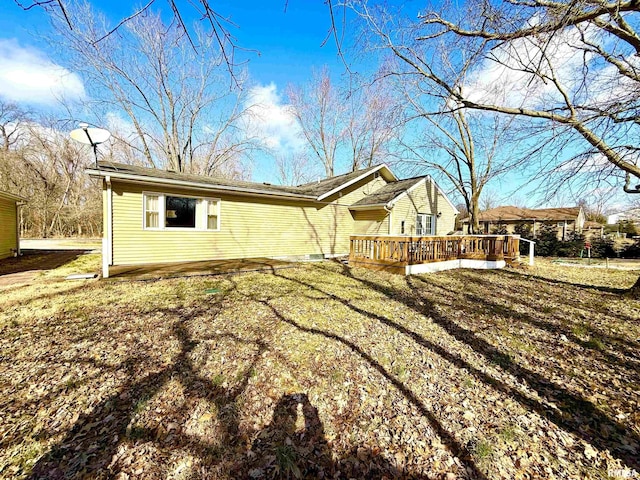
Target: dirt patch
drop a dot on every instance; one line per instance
(33, 261)
(195, 269)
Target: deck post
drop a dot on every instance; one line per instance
(532, 247)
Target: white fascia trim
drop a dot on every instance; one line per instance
(443, 194)
(357, 179)
(373, 206)
(126, 177)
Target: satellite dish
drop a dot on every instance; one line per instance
(90, 136)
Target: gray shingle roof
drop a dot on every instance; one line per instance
(202, 179)
(308, 190)
(510, 213)
(328, 184)
(387, 193)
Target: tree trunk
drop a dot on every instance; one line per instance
(635, 290)
(475, 217)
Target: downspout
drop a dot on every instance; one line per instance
(107, 240)
(389, 211)
(18, 205)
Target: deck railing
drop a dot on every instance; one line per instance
(396, 252)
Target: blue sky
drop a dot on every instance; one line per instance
(282, 41)
(282, 47)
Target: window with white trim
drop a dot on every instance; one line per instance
(169, 212)
(151, 211)
(425, 224)
(213, 212)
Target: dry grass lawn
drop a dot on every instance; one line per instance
(323, 372)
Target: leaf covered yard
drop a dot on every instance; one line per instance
(320, 371)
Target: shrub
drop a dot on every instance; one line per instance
(625, 226)
(602, 247)
(499, 229)
(631, 251)
(547, 242)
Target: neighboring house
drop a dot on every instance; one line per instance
(566, 220)
(592, 230)
(153, 216)
(632, 215)
(9, 231)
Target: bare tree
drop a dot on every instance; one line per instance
(319, 111)
(219, 25)
(293, 168)
(12, 118)
(168, 92)
(467, 150)
(47, 168)
(355, 125)
(572, 65)
(374, 124)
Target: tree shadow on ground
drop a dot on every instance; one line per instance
(553, 281)
(572, 412)
(91, 445)
(622, 353)
(94, 445)
(38, 260)
(455, 447)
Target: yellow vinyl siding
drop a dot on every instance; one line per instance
(8, 240)
(371, 222)
(425, 198)
(249, 227)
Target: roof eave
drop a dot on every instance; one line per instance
(143, 179)
(373, 206)
(11, 196)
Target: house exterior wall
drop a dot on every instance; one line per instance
(424, 198)
(249, 226)
(371, 222)
(8, 227)
(593, 233)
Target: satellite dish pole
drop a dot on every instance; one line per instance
(85, 127)
(90, 136)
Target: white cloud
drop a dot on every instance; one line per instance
(28, 76)
(271, 120)
(119, 125)
(505, 79)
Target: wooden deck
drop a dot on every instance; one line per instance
(395, 253)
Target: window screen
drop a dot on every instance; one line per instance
(152, 214)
